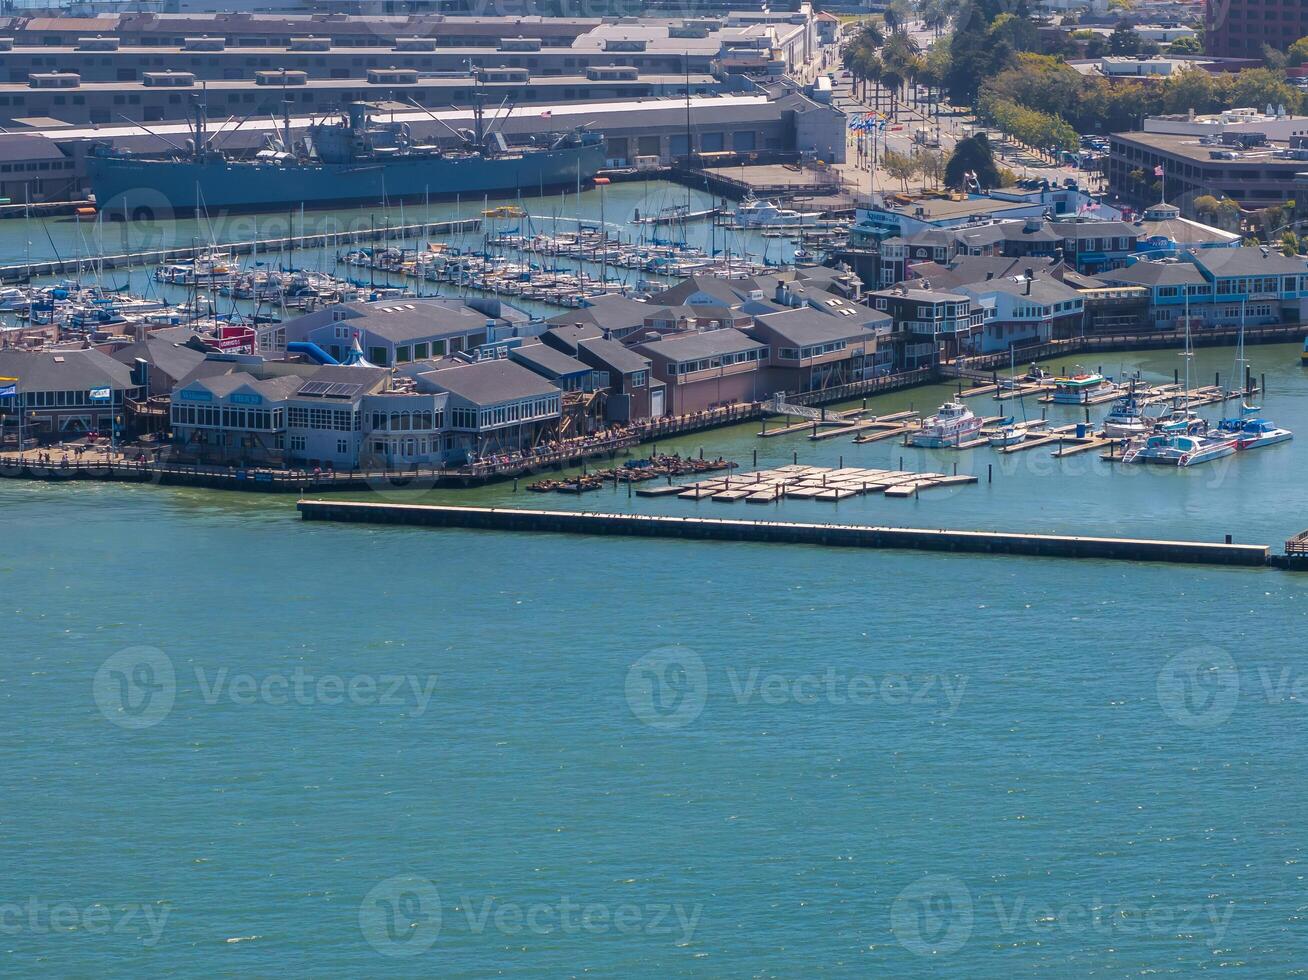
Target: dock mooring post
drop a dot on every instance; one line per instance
(515, 484)
(756, 457)
(990, 472)
(901, 462)
(794, 457)
(842, 461)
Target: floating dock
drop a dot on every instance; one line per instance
(806, 483)
(776, 532)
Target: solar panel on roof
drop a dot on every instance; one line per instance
(344, 390)
(315, 388)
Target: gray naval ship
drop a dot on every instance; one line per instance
(350, 159)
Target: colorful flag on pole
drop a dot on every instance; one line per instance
(1158, 170)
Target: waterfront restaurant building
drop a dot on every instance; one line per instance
(341, 418)
(492, 407)
(700, 371)
(810, 351)
(62, 394)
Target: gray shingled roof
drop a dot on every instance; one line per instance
(64, 370)
(617, 357)
(490, 382)
(547, 361)
(407, 319)
(609, 312)
(691, 346)
(1145, 273)
(807, 326)
(174, 359)
(1248, 262)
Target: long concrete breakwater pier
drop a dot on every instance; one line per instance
(778, 532)
(23, 271)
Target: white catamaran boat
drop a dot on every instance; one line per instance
(1181, 449)
(953, 424)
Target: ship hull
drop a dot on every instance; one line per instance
(140, 188)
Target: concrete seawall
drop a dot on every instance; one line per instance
(777, 532)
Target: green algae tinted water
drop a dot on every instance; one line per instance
(236, 744)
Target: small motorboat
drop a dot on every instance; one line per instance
(1254, 433)
(953, 423)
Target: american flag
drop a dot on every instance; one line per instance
(1158, 170)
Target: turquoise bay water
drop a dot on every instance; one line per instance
(658, 758)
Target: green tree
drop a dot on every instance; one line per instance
(1186, 45)
(1205, 205)
(899, 166)
(1124, 40)
(1194, 89)
(972, 155)
(1261, 87)
(930, 165)
(1297, 54)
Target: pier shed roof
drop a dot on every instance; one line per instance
(806, 327)
(64, 370)
(1145, 273)
(547, 361)
(1223, 262)
(618, 358)
(693, 346)
(487, 382)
